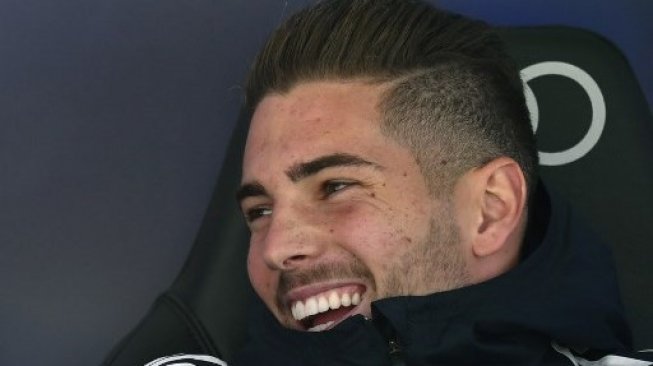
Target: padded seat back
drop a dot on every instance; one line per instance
(596, 139)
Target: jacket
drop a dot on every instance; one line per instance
(559, 306)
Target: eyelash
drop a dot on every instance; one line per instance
(328, 189)
(257, 212)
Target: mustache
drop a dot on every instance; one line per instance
(289, 280)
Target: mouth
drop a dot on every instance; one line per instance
(323, 310)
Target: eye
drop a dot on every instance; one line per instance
(334, 186)
(255, 213)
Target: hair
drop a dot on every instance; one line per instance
(455, 98)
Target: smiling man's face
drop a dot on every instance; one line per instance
(340, 215)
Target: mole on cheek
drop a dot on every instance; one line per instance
(408, 239)
(372, 195)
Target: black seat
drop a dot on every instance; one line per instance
(595, 134)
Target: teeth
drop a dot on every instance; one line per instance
(355, 299)
(293, 310)
(300, 311)
(334, 300)
(321, 327)
(322, 303)
(311, 306)
(345, 300)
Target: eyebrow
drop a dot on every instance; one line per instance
(303, 170)
(253, 189)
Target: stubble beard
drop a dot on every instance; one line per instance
(436, 264)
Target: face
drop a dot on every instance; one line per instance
(340, 215)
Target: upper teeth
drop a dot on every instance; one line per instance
(323, 302)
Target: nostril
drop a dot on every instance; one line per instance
(294, 259)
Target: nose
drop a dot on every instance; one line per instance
(292, 239)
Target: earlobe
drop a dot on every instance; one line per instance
(502, 204)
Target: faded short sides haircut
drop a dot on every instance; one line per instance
(454, 96)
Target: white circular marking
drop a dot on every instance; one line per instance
(596, 100)
(181, 360)
(531, 103)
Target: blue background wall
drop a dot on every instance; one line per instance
(114, 117)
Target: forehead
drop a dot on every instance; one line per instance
(312, 119)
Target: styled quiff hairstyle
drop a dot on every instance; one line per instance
(455, 98)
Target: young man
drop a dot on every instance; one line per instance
(390, 185)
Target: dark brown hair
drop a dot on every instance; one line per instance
(455, 96)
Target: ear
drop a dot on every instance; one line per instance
(501, 200)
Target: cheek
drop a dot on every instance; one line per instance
(368, 232)
(261, 277)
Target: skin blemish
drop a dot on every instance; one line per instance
(372, 195)
(443, 162)
(330, 230)
(405, 174)
(408, 239)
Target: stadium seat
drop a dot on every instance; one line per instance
(595, 136)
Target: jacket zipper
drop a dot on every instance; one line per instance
(394, 349)
(395, 353)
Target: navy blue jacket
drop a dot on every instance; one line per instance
(560, 305)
